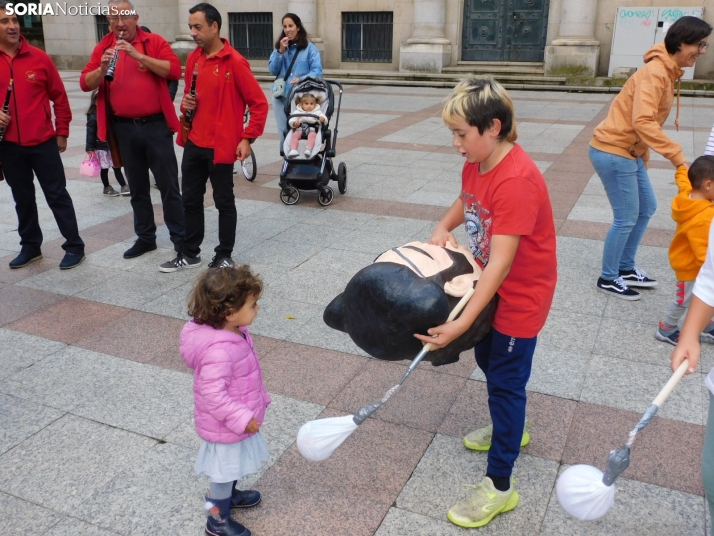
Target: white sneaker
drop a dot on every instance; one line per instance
(293, 153)
(308, 152)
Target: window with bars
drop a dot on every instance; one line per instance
(102, 25)
(251, 34)
(367, 36)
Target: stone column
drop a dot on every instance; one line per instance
(575, 52)
(427, 50)
(307, 11)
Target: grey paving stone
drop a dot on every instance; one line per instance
(19, 419)
(631, 340)
(649, 309)
(316, 333)
(338, 259)
(639, 509)
(20, 350)
(581, 255)
(68, 462)
(576, 292)
(147, 400)
(399, 522)
(74, 527)
(447, 466)
(16, 516)
(558, 372)
(630, 385)
(565, 329)
(133, 289)
(288, 254)
(173, 302)
(64, 380)
(159, 494)
(308, 286)
(278, 318)
(70, 282)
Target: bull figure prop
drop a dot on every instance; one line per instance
(408, 290)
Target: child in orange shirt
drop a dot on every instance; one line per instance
(693, 211)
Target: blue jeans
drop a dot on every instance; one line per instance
(280, 118)
(633, 202)
(506, 362)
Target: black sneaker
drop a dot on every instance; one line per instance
(71, 260)
(138, 249)
(23, 259)
(179, 263)
(221, 262)
(637, 278)
(617, 288)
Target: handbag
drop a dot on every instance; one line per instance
(90, 166)
(279, 82)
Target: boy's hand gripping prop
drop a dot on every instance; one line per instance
(318, 439)
(584, 491)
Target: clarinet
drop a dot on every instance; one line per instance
(109, 77)
(6, 107)
(192, 92)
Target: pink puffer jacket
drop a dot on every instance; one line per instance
(228, 388)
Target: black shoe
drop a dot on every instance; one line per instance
(221, 524)
(617, 288)
(138, 249)
(179, 263)
(71, 260)
(244, 498)
(23, 259)
(221, 262)
(637, 278)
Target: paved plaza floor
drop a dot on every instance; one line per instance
(96, 431)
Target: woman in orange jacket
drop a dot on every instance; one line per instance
(619, 151)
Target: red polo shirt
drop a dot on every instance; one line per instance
(133, 93)
(203, 128)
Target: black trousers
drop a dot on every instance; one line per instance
(197, 168)
(144, 147)
(18, 163)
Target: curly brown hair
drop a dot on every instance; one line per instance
(221, 291)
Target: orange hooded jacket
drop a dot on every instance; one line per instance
(634, 122)
(693, 216)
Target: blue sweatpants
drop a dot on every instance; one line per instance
(506, 361)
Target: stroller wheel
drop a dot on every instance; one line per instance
(249, 167)
(342, 177)
(325, 196)
(290, 195)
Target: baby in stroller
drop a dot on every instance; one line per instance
(305, 126)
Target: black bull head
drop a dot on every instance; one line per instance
(385, 303)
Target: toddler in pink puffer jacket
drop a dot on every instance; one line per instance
(229, 395)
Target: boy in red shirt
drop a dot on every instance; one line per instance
(506, 209)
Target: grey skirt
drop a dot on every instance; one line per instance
(226, 462)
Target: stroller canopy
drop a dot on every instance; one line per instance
(319, 88)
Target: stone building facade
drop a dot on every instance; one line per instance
(408, 35)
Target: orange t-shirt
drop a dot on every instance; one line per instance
(512, 199)
(203, 128)
(134, 92)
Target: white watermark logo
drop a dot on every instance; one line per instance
(62, 8)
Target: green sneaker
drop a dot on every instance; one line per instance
(483, 505)
(481, 439)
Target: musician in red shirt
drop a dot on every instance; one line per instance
(224, 86)
(143, 121)
(32, 144)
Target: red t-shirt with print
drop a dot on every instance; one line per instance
(512, 199)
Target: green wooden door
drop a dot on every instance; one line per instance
(514, 30)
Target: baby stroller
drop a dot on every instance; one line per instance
(315, 171)
(248, 166)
